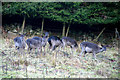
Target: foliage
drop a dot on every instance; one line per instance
(66, 12)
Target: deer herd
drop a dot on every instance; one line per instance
(38, 43)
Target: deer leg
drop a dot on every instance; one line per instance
(18, 50)
(22, 50)
(44, 50)
(83, 51)
(63, 46)
(40, 49)
(32, 50)
(71, 51)
(85, 54)
(94, 54)
(16, 47)
(29, 50)
(53, 48)
(50, 47)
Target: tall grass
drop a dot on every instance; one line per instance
(16, 65)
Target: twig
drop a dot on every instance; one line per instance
(99, 35)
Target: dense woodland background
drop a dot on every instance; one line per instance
(75, 19)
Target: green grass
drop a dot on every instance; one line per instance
(48, 66)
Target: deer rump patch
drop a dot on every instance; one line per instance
(88, 50)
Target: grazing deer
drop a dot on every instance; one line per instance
(43, 40)
(67, 41)
(20, 42)
(88, 47)
(33, 44)
(54, 42)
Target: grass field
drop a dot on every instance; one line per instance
(16, 65)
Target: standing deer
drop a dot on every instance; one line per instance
(33, 44)
(54, 42)
(20, 43)
(43, 40)
(67, 41)
(88, 47)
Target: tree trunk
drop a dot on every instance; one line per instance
(67, 30)
(63, 33)
(23, 25)
(116, 33)
(42, 26)
(1, 31)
